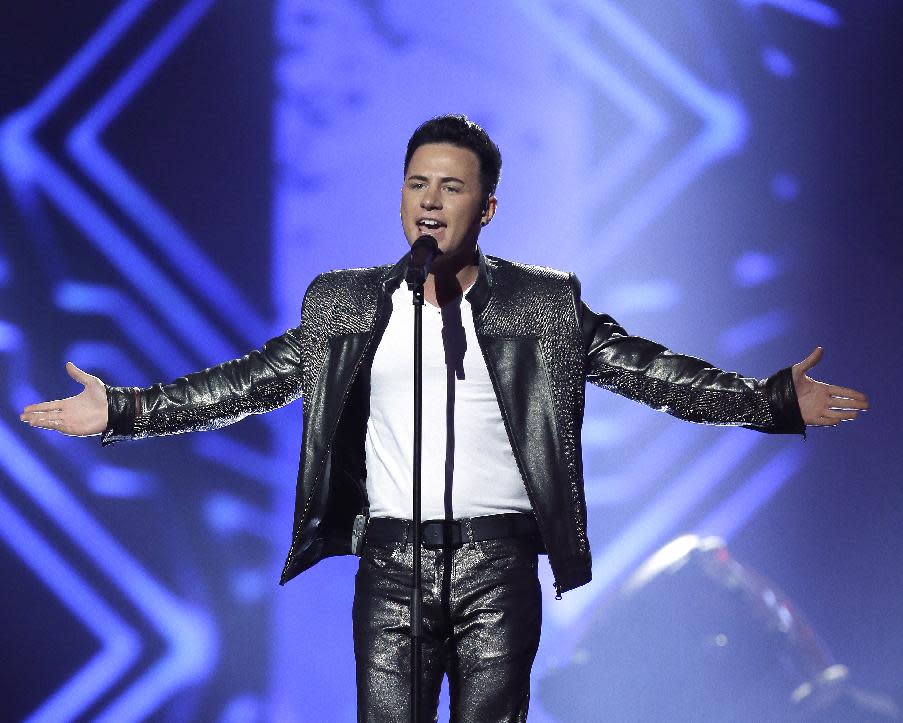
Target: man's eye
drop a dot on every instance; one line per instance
(453, 189)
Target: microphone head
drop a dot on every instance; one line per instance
(423, 248)
(423, 251)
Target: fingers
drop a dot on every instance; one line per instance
(45, 419)
(47, 415)
(826, 405)
(847, 403)
(811, 360)
(832, 416)
(51, 406)
(77, 374)
(69, 419)
(845, 393)
(59, 420)
(57, 404)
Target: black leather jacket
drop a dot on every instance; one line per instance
(540, 343)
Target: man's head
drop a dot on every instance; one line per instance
(451, 171)
(457, 130)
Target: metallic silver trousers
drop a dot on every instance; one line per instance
(482, 615)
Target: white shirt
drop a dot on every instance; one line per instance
(468, 468)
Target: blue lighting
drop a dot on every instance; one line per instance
(785, 187)
(724, 132)
(811, 10)
(223, 513)
(753, 332)
(103, 359)
(650, 123)
(742, 506)
(754, 268)
(11, 338)
(250, 586)
(120, 646)
(174, 242)
(246, 708)
(777, 62)
(134, 321)
(188, 634)
(658, 519)
(229, 515)
(649, 295)
(107, 481)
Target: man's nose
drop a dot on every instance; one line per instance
(431, 199)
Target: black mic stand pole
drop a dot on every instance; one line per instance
(422, 252)
(417, 589)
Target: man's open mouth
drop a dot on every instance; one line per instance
(428, 225)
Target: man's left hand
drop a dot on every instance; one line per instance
(824, 405)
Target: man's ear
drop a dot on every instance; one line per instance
(488, 210)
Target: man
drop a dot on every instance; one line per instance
(508, 349)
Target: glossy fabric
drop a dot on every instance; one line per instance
(482, 616)
(541, 345)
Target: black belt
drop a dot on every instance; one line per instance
(437, 534)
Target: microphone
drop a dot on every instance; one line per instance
(423, 251)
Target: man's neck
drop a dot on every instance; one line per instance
(442, 288)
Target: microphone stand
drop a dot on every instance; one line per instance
(422, 252)
(417, 589)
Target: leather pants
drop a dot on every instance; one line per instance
(482, 616)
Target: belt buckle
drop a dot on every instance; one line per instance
(450, 535)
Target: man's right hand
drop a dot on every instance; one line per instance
(83, 415)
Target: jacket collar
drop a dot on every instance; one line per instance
(394, 275)
(481, 291)
(478, 295)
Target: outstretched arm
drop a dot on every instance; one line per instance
(824, 405)
(82, 415)
(255, 383)
(692, 389)
(685, 386)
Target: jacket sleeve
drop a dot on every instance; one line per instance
(684, 386)
(265, 379)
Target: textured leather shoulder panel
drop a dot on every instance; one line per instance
(336, 303)
(529, 301)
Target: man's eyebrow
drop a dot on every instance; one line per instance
(444, 179)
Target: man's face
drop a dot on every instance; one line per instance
(442, 196)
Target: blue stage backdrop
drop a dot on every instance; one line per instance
(722, 175)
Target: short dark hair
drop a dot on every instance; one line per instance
(458, 130)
